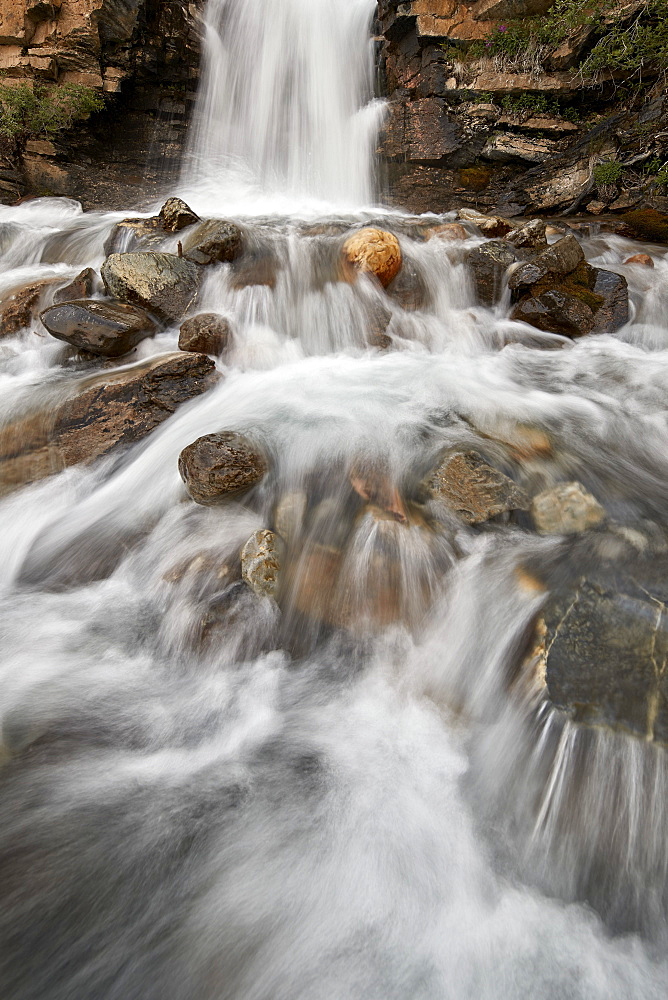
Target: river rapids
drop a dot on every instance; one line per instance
(205, 797)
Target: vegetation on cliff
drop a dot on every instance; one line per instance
(29, 110)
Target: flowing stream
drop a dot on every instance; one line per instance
(204, 796)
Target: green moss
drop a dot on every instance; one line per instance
(608, 173)
(475, 178)
(578, 283)
(648, 223)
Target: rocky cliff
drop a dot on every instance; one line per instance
(500, 104)
(143, 55)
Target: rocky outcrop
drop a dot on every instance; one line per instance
(467, 125)
(217, 467)
(143, 56)
(110, 410)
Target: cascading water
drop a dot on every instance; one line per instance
(350, 796)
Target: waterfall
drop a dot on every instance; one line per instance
(284, 105)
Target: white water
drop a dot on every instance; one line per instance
(277, 809)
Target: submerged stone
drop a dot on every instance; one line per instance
(261, 562)
(474, 489)
(566, 509)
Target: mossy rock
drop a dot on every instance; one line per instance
(579, 283)
(475, 178)
(648, 224)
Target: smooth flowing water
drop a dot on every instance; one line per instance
(204, 795)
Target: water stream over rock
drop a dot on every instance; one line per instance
(300, 721)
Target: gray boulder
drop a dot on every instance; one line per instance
(109, 329)
(215, 241)
(162, 283)
(206, 333)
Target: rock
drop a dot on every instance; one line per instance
(532, 235)
(566, 509)
(613, 312)
(409, 289)
(289, 515)
(488, 264)
(135, 234)
(372, 481)
(506, 148)
(109, 329)
(470, 214)
(640, 258)
(162, 283)
(215, 241)
(218, 466)
(111, 410)
(373, 251)
(596, 207)
(261, 562)
(175, 215)
(475, 490)
(255, 268)
(206, 333)
(494, 226)
(605, 643)
(446, 231)
(559, 259)
(647, 224)
(555, 311)
(18, 309)
(80, 287)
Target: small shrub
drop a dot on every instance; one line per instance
(45, 110)
(606, 174)
(526, 104)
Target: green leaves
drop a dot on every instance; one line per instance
(44, 109)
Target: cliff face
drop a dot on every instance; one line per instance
(142, 54)
(467, 127)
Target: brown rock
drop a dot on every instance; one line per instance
(446, 231)
(162, 283)
(532, 235)
(215, 241)
(475, 490)
(175, 215)
(135, 234)
(17, 311)
(110, 410)
(206, 333)
(109, 329)
(218, 466)
(373, 251)
(640, 258)
(80, 287)
(488, 264)
(566, 509)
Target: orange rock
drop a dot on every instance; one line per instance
(373, 251)
(447, 231)
(640, 258)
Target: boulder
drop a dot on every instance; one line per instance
(647, 224)
(475, 490)
(373, 251)
(494, 226)
(18, 309)
(215, 241)
(604, 643)
(640, 258)
(175, 215)
(109, 329)
(135, 234)
(261, 562)
(409, 289)
(566, 509)
(218, 466)
(162, 283)
(80, 287)
(531, 236)
(588, 300)
(559, 259)
(488, 264)
(613, 312)
(112, 409)
(206, 333)
(555, 311)
(446, 231)
(255, 268)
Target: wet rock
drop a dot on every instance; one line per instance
(111, 410)
(647, 224)
(613, 312)
(372, 481)
(218, 466)
(162, 283)
(215, 241)
(135, 234)
(206, 333)
(256, 268)
(559, 259)
(488, 264)
(108, 329)
(373, 251)
(446, 231)
(531, 236)
(640, 258)
(18, 309)
(289, 515)
(80, 287)
(566, 509)
(555, 311)
(409, 289)
(474, 489)
(261, 562)
(605, 646)
(175, 215)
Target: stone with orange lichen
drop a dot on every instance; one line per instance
(373, 251)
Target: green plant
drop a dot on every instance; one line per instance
(44, 109)
(526, 104)
(632, 47)
(607, 173)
